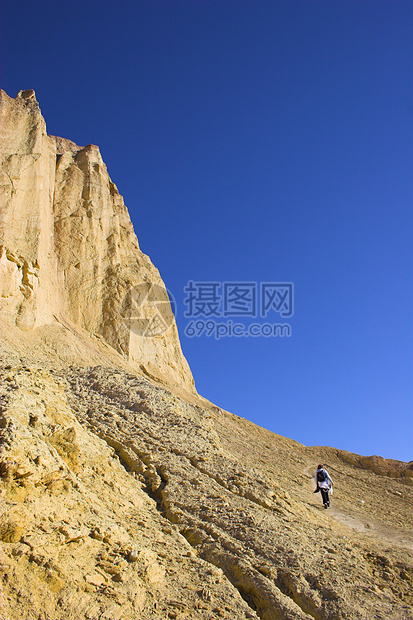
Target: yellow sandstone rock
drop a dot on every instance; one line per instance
(51, 191)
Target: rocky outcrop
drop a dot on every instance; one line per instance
(69, 250)
(81, 538)
(27, 224)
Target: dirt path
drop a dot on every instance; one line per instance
(368, 525)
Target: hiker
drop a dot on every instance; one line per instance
(324, 484)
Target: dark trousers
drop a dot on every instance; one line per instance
(324, 495)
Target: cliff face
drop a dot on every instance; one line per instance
(27, 224)
(69, 250)
(124, 494)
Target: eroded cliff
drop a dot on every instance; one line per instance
(69, 251)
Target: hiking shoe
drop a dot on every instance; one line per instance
(325, 505)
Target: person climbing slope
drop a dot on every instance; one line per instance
(324, 484)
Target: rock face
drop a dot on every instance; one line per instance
(127, 496)
(27, 223)
(53, 191)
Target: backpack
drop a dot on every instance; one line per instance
(321, 475)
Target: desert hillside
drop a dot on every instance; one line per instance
(126, 495)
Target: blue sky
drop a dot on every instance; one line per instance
(256, 141)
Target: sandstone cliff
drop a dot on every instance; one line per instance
(125, 495)
(68, 249)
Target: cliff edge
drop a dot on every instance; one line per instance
(69, 251)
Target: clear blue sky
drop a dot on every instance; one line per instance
(259, 140)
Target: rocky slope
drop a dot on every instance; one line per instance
(127, 496)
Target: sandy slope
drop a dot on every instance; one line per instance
(122, 499)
